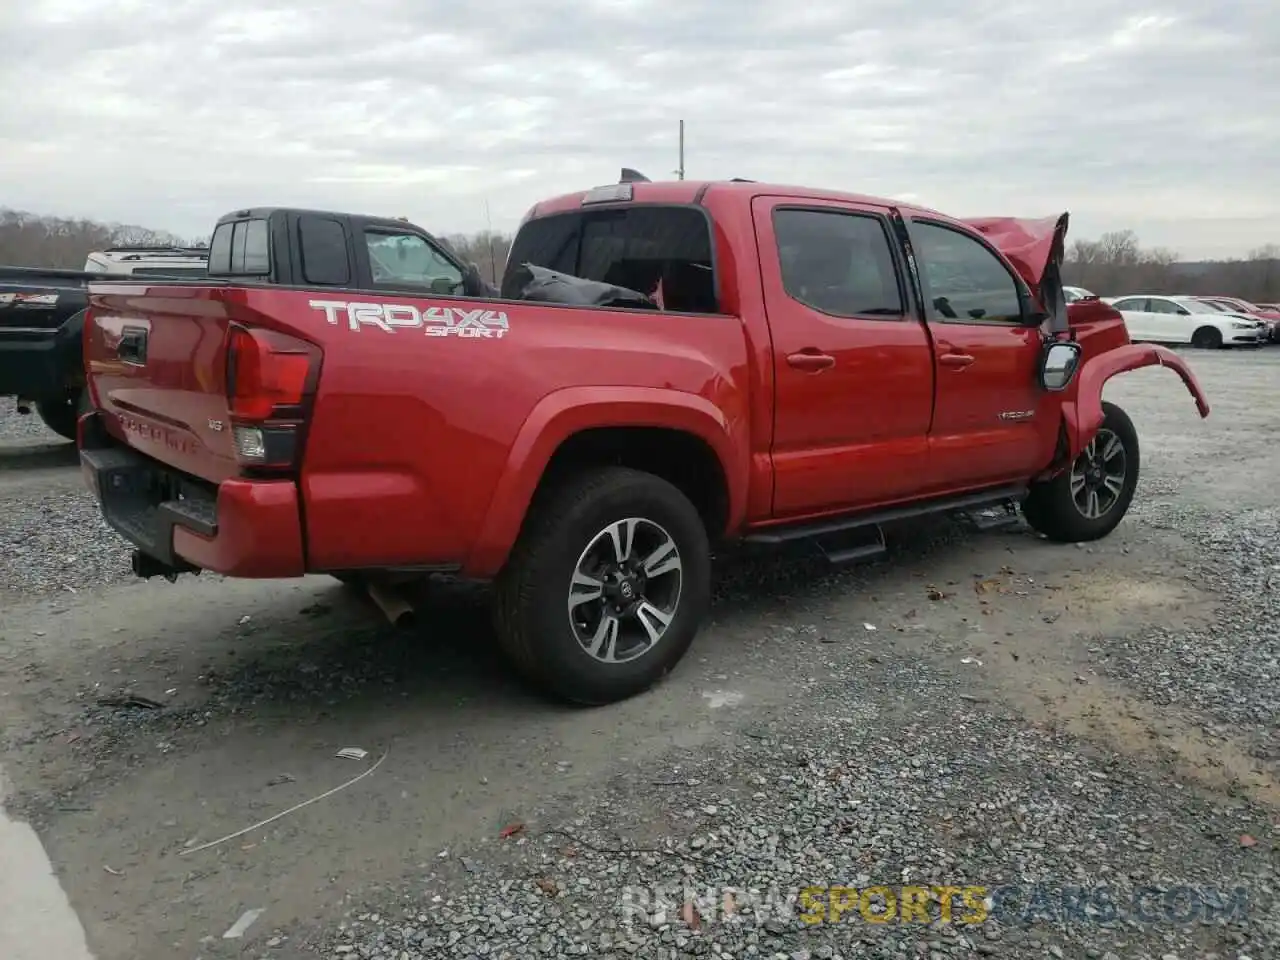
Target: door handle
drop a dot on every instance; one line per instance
(133, 345)
(957, 360)
(813, 362)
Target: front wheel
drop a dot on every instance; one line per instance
(1207, 338)
(606, 587)
(1087, 501)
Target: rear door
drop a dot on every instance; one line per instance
(852, 366)
(988, 424)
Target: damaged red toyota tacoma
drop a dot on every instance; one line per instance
(667, 367)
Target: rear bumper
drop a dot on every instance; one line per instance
(238, 528)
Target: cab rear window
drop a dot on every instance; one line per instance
(637, 247)
(240, 247)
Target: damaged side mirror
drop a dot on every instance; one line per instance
(1058, 365)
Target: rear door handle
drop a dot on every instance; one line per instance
(812, 362)
(958, 360)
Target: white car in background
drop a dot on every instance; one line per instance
(1166, 319)
(1078, 293)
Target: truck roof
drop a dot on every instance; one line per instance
(693, 191)
(264, 213)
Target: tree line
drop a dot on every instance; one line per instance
(1117, 264)
(1112, 265)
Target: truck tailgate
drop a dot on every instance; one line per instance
(155, 358)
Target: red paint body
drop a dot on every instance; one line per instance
(427, 450)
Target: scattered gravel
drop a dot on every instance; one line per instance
(52, 535)
(843, 792)
(58, 541)
(1229, 671)
(25, 429)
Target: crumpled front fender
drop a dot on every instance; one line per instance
(1084, 420)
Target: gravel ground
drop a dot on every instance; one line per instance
(822, 797)
(1105, 721)
(1229, 671)
(16, 428)
(52, 537)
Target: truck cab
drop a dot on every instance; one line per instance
(294, 247)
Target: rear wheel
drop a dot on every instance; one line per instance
(1207, 338)
(1087, 501)
(61, 415)
(606, 587)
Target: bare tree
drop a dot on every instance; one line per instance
(1117, 263)
(487, 250)
(29, 240)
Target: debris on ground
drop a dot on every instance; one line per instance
(241, 926)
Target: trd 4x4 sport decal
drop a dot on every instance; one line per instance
(34, 301)
(435, 321)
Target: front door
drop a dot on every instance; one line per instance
(990, 420)
(853, 371)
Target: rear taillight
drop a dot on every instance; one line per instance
(271, 378)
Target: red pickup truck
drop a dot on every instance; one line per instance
(667, 366)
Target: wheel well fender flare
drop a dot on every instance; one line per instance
(565, 413)
(1083, 416)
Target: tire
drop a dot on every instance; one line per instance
(63, 414)
(547, 638)
(1052, 509)
(1207, 338)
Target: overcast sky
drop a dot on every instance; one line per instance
(1162, 117)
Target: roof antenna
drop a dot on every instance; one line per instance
(632, 176)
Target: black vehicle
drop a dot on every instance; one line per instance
(293, 247)
(42, 318)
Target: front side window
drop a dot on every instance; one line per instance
(408, 260)
(838, 263)
(963, 280)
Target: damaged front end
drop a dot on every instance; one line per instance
(1037, 249)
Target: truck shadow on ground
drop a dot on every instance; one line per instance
(324, 659)
(38, 457)
(339, 647)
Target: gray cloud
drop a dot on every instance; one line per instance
(170, 113)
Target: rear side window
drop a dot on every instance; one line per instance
(646, 248)
(1134, 305)
(322, 243)
(838, 263)
(240, 247)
